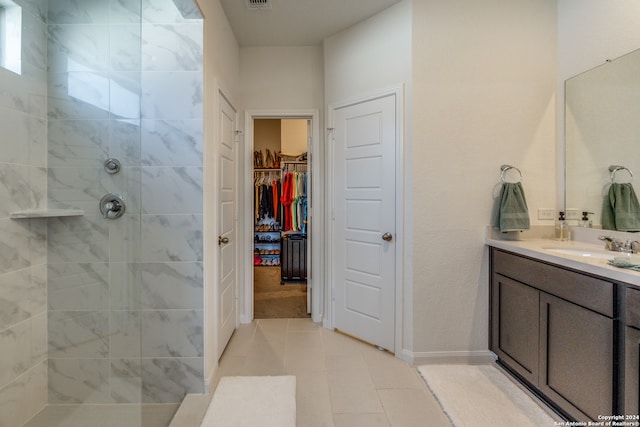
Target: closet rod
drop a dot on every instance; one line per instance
(300, 167)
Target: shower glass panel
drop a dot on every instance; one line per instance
(94, 320)
(125, 285)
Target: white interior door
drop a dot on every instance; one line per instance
(363, 239)
(227, 213)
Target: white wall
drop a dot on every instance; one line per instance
(366, 58)
(283, 77)
(484, 83)
(480, 85)
(221, 69)
(222, 53)
(370, 56)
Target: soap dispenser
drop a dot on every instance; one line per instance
(585, 221)
(562, 228)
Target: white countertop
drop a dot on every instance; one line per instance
(539, 248)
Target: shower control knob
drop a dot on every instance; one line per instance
(112, 206)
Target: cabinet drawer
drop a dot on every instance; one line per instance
(589, 292)
(633, 307)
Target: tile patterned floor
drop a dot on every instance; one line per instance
(341, 382)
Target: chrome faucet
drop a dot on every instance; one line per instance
(634, 245)
(613, 244)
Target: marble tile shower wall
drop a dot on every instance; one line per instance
(23, 247)
(125, 319)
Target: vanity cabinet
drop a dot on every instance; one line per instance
(632, 352)
(555, 329)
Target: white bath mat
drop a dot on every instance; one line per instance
(482, 396)
(253, 402)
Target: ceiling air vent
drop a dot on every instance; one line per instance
(259, 4)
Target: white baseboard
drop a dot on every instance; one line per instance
(211, 381)
(482, 357)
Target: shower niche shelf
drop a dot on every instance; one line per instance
(45, 213)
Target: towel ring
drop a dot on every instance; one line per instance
(504, 169)
(616, 168)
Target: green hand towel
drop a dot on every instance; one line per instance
(631, 263)
(511, 212)
(620, 209)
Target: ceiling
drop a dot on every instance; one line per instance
(297, 22)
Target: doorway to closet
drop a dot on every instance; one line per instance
(280, 217)
(315, 213)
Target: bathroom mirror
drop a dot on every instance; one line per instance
(602, 125)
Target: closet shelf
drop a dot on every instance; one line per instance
(45, 213)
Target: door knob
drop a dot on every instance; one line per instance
(223, 240)
(387, 237)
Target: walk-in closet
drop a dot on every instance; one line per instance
(280, 209)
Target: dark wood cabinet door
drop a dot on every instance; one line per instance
(633, 307)
(577, 372)
(632, 372)
(515, 320)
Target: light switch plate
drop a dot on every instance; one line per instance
(572, 213)
(546, 213)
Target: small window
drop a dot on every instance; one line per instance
(11, 36)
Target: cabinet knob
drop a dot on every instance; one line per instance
(222, 240)
(387, 237)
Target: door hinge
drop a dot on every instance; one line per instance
(331, 133)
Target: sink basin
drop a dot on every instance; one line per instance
(586, 253)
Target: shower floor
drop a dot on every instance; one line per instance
(89, 415)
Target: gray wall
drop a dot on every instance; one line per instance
(125, 295)
(23, 311)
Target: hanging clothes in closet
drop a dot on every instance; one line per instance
(266, 196)
(294, 199)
